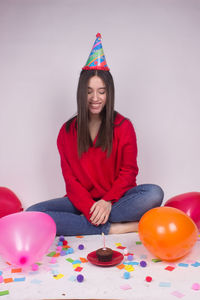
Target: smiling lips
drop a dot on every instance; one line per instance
(95, 105)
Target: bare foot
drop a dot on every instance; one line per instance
(126, 227)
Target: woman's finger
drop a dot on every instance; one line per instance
(105, 219)
(93, 207)
(94, 214)
(101, 219)
(97, 218)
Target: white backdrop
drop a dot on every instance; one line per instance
(152, 48)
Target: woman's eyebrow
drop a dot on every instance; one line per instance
(101, 88)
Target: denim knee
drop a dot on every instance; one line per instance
(156, 194)
(35, 207)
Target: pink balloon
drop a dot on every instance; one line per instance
(188, 203)
(25, 237)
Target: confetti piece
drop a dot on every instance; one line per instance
(169, 268)
(183, 265)
(165, 284)
(7, 280)
(148, 279)
(78, 269)
(131, 263)
(128, 253)
(121, 247)
(126, 275)
(61, 238)
(138, 243)
(59, 276)
(53, 260)
(70, 251)
(129, 268)
(130, 257)
(77, 261)
(76, 266)
(120, 266)
(36, 281)
(80, 278)
(72, 278)
(66, 247)
(118, 244)
(125, 287)
(19, 279)
(56, 254)
(33, 273)
(16, 270)
(34, 267)
(79, 236)
(143, 264)
(63, 253)
(177, 294)
(81, 247)
(83, 260)
(54, 272)
(51, 254)
(69, 260)
(195, 286)
(2, 293)
(59, 248)
(156, 260)
(196, 264)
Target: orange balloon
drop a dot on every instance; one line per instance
(167, 232)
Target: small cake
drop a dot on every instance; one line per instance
(104, 254)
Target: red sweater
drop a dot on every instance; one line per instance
(94, 175)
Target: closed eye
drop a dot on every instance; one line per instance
(100, 90)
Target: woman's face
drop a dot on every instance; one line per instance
(96, 97)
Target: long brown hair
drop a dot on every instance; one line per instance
(105, 135)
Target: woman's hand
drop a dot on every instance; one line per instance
(100, 212)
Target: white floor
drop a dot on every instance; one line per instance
(104, 282)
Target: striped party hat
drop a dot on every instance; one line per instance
(96, 59)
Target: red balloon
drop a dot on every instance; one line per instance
(9, 203)
(188, 203)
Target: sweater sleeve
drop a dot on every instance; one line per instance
(77, 194)
(126, 178)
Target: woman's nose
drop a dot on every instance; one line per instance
(95, 97)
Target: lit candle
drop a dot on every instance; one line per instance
(104, 244)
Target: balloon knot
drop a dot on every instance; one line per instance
(23, 260)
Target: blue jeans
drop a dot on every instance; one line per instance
(131, 207)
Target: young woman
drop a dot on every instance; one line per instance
(98, 152)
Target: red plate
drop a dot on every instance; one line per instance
(116, 259)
